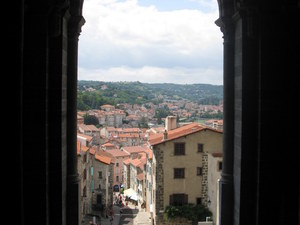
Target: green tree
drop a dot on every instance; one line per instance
(90, 120)
(143, 123)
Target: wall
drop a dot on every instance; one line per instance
(192, 184)
(164, 161)
(213, 185)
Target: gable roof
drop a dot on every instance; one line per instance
(118, 152)
(84, 136)
(178, 133)
(81, 148)
(133, 149)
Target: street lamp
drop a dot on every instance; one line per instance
(208, 202)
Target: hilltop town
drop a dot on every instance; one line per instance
(150, 161)
(151, 103)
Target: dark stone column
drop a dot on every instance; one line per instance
(58, 117)
(226, 183)
(35, 135)
(74, 28)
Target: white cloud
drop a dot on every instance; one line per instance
(123, 34)
(153, 75)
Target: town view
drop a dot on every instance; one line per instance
(149, 153)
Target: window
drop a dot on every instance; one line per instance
(178, 199)
(92, 186)
(178, 173)
(84, 174)
(219, 166)
(179, 148)
(100, 174)
(198, 201)
(200, 147)
(117, 178)
(199, 171)
(84, 191)
(117, 164)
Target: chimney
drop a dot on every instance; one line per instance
(165, 135)
(171, 123)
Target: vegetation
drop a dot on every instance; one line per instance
(191, 212)
(161, 113)
(90, 120)
(93, 94)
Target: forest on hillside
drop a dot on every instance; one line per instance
(93, 94)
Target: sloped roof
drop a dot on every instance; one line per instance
(133, 149)
(81, 148)
(118, 152)
(178, 133)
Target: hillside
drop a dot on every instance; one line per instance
(92, 94)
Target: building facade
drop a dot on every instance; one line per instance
(180, 159)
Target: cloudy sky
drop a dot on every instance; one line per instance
(151, 41)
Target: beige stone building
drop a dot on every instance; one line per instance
(101, 170)
(180, 166)
(83, 171)
(214, 175)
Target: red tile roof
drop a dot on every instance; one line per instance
(178, 133)
(87, 137)
(133, 149)
(126, 161)
(140, 176)
(118, 153)
(81, 148)
(103, 158)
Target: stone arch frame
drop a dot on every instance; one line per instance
(253, 68)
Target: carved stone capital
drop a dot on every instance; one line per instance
(75, 24)
(57, 13)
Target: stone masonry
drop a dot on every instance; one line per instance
(159, 204)
(204, 187)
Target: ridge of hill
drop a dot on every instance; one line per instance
(92, 94)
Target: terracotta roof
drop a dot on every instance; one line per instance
(126, 161)
(88, 127)
(103, 158)
(101, 155)
(87, 137)
(81, 148)
(140, 176)
(150, 154)
(92, 151)
(118, 153)
(177, 133)
(108, 144)
(133, 149)
(135, 162)
(107, 106)
(128, 135)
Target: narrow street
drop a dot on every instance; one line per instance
(127, 216)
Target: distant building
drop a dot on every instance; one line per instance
(90, 130)
(118, 176)
(101, 167)
(83, 171)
